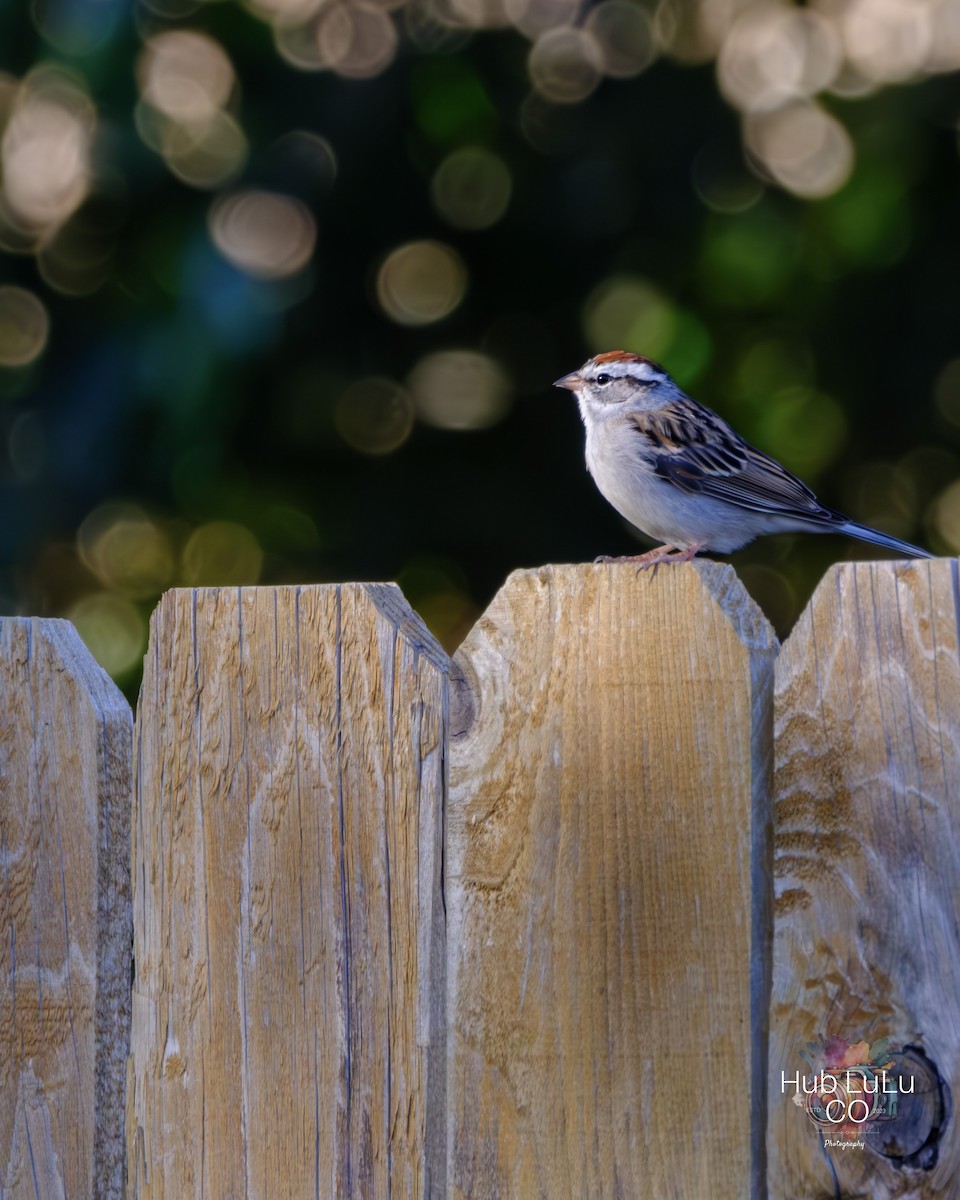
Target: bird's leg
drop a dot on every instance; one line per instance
(656, 556)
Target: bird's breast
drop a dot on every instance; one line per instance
(627, 478)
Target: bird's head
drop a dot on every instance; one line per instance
(616, 381)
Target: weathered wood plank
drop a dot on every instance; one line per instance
(65, 771)
(288, 1021)
(868, 863)
(611, 753)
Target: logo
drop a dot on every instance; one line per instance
(850, 1090)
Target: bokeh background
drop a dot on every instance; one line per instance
(285, 283)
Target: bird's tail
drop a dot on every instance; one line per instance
(866, 534)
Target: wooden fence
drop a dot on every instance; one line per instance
(550, 919)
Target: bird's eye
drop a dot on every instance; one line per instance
(603, 380)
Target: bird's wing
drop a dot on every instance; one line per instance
(698, 452)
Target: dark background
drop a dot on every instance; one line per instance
(768, 202)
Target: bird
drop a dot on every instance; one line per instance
(682, 475)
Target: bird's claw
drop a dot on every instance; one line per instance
(653, 558)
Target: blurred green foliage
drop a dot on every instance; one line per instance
(263, 320)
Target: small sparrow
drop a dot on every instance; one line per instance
(681, 475)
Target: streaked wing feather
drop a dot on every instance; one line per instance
(699, 453)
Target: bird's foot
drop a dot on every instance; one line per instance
(656, 556)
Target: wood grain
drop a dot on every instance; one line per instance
(65, 770)
(288, 1022)
(868, 856)
(610, 772)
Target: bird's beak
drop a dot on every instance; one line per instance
(571, 382)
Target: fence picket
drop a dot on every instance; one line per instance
(65, 925)
(288, 1018)
(867, 843)
(611, 753)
